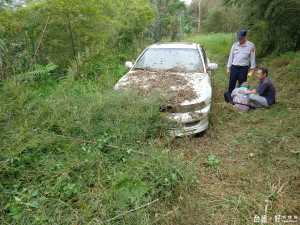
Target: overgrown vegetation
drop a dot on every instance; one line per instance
(43, 32)
(85, 157)
(274, 24)
(58, 31)
(72, 150)
(248, 163)
(215, 17)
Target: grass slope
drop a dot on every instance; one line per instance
(59, 164)
(248, 163)
(83, 158)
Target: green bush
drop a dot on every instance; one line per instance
(221, 19)
(85, 157)
(97, 66)
(274, 24)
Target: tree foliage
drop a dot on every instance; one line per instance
(221, 19)
(215, 17)
(274, 24)
(123, 27)
(74, 25)
(28, 36)
(172, 19)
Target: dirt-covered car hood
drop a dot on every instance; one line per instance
(185, 88)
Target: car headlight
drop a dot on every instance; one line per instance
(188, 108)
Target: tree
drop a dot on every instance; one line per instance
(274, 25)
(199, 17)
(171, 19)
(213, 16)
(221, 19)
(9, 30)
(73, 26)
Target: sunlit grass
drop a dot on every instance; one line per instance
(214, 43)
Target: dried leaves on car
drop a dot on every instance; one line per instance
(173, 81)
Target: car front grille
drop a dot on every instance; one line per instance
(191, 124)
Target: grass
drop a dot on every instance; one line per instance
(257, 152)
(218, 45)
(57, 166)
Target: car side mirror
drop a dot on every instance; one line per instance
(212, 66)
(129, 64)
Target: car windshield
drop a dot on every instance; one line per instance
(186, 59)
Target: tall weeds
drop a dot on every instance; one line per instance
(57, 165)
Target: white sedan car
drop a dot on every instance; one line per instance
(182, 68)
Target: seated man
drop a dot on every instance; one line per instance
(264, 95)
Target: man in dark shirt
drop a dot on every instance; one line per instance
(264, 95)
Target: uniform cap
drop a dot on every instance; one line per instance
(241, 34)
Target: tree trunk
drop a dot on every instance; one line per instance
(199, 19)
(71, 34)
(40, 41)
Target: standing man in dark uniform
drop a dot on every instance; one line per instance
(238, 62)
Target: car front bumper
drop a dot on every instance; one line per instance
(189, 123)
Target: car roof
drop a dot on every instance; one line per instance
(175, 45)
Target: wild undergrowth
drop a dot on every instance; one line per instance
(248, 163)
(218, 45)
(75, 151)
(84, 157)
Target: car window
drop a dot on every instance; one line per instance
(187, 59)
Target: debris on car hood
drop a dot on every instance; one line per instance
(184, 87)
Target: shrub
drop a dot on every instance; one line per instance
(85, 157)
